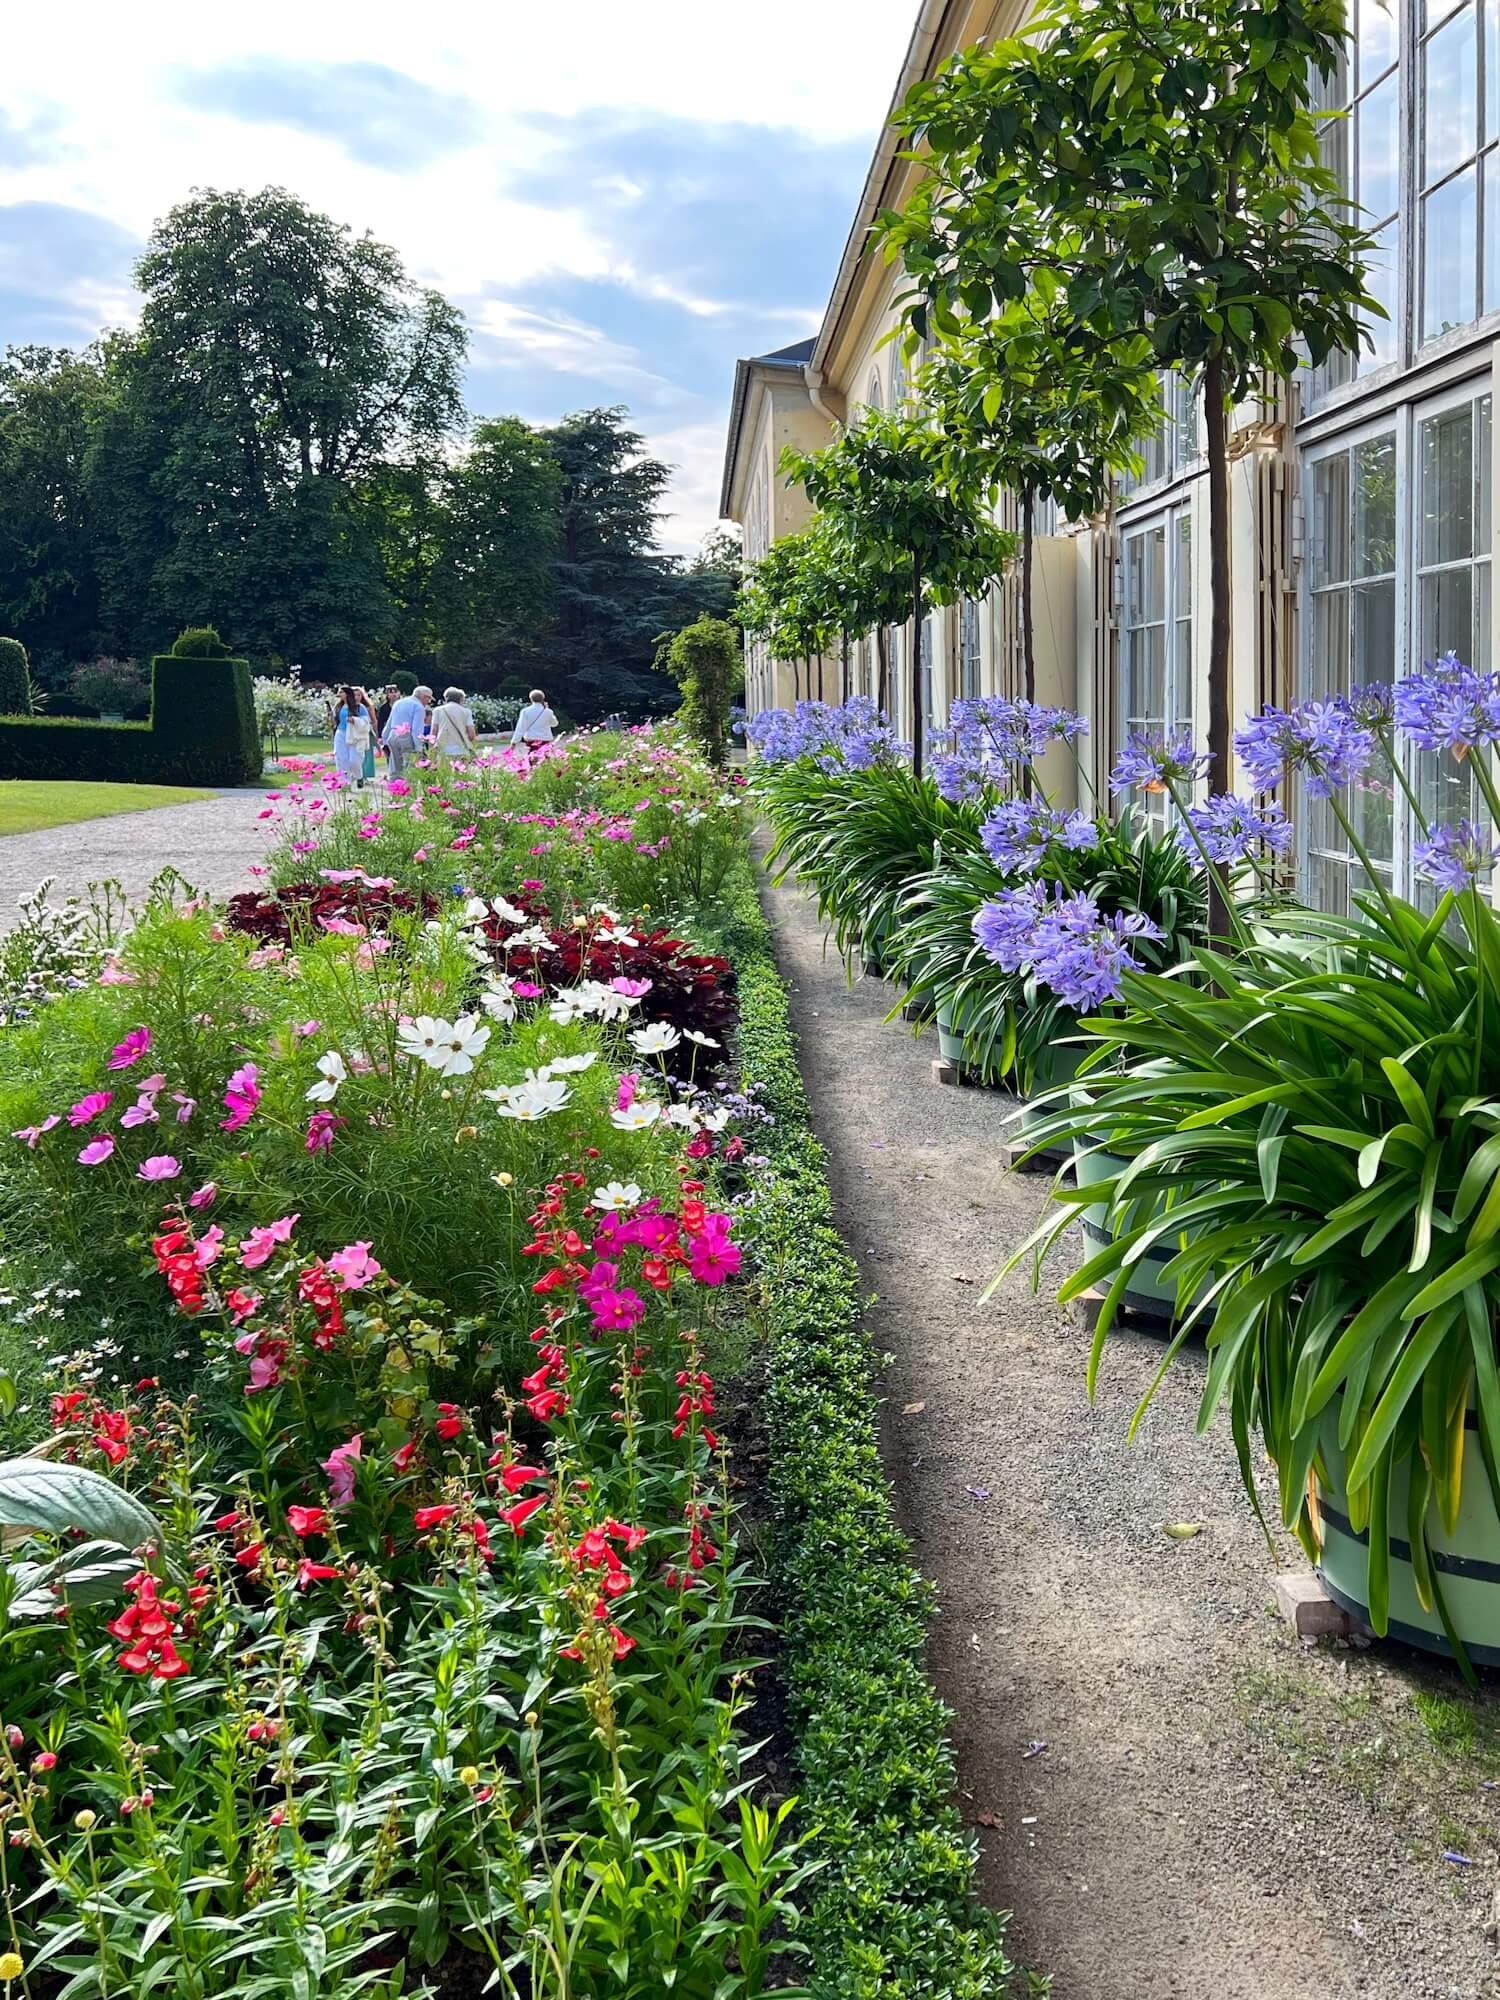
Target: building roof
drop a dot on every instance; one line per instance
(790, 360)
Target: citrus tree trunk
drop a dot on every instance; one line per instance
(1028, 623)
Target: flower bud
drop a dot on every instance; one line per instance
(469, 1776)
(85, 1820)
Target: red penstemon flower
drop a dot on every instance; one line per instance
(146, 1627)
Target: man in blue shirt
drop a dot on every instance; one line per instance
(406, 730)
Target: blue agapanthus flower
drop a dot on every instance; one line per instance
(1232, 829)
(1454, 857)
(1005, 927)
(1323, 740)
(850, 736)
(1019, 832)
(1152, 763)
(1066, 942)
(1449, 706)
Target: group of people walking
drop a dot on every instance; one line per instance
(402, 726)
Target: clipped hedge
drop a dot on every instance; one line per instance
(15, 678)
(893, 1912)
(202, 732)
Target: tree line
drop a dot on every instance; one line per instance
(281, 450)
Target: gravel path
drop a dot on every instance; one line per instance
(1218, 1812)
(212, 842)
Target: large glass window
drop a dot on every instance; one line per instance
(1360, 142)
(1459, 166)
(924, 660)
(1352, 582)
(1174, 449)
(968, 649)
(1156, 638)
(1453, 573)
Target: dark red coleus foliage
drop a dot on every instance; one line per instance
(274, 915)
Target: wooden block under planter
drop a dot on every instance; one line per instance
(1016, 1157)
(1085, 1309)
(946, 1071)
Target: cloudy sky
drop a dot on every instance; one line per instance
(623, 195)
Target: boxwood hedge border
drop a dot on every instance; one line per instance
(893, 1913)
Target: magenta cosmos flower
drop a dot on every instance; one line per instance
(97, 1152)
(160, 1167)
(134, 1046)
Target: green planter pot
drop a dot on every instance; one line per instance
(949, 1033)
(1147, 1292)
(1056, 1067)
(872, 950)
(1466, 1564)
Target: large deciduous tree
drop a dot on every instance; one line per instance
(281, 360)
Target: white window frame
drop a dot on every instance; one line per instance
(1179, 667)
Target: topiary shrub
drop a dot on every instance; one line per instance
(199, 642)
(202, 732)
(405, 679)
(15, 678)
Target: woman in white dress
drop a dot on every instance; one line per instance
(353, 735)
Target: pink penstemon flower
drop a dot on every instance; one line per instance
(354, 1267)
(261, 1244)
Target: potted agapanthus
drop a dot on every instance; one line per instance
(1317, 1117)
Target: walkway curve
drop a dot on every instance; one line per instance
(1217, 1813)
(213, 842)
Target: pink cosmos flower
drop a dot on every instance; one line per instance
(341, 927)
(354, 1267)
(31, 1133)
(160, 1167)
(142, 1112)
(241, 1095)
(97, 1152)
(134, 1046)
(114, 974)
(87, 1109)
(204, 1197)
(265, 1371)
(186, 1106)
(633, 989)
(260, 1245)
(524, 990)
(206, 1250)
(305, 1028)
(341, 1465)
(150, 1085)
(625, 1095)
(712, 1257)
(320, 1130)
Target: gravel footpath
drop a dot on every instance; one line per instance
(1215, 1812)
(212, 842)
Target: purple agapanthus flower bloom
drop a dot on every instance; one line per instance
(1018, 833)
(1324, 740)
(1449, 706)
(1373, 706)
(1230, 828)
(1064, 941)
(852, 736)
(1151, 763)
(1005, 927)
(1454, 857)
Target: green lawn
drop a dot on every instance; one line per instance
(29, 804)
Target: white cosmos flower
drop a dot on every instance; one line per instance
(419, 1038)
(498, 1000)
(572, 1065)
(642, 1113)
(507, 912)
(569, 1007)
(681, 1115)
(530, 1101)
(610, 934)
(533, 938)
(461, 1047)
(617, 1194)
(474, 911)
(656, 1039)
(332, 1073)
(603, 910)
(703, 1041)
(713, 1121)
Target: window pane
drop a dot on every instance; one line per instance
(1374, 651)
(1491, 69)
(1328, 668)
(1448, 487)
(1381, 267)
(1330, 522)
(1377, 37)
(1375, 507)
(1492, 223)
(1447, 614)
(1482, 471)
(1451, 100)
(1449, 255)
(1380, 151)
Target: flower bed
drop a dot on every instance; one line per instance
(410, 1627)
